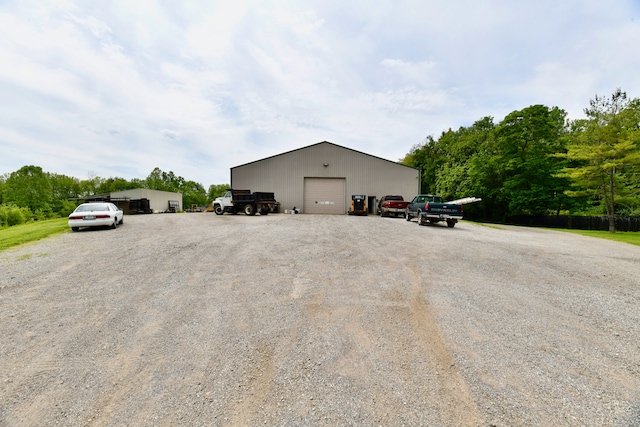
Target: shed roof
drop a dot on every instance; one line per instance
(322, 143)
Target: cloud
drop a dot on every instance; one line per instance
(122, 87)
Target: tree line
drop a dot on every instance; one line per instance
(533, 162)
(536, 162)
(31, 193)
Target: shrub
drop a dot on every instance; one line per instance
(13, 215)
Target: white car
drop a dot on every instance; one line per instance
(96, 214)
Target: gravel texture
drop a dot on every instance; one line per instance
(293, 320)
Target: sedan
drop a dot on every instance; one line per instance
(95, 215)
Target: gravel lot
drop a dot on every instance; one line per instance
(288, 320)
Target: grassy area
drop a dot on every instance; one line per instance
(24, 233)
(632, 238)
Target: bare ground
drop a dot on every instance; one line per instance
(195, 319)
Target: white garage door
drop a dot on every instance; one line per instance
(324, 196)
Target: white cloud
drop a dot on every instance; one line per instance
(196, 88)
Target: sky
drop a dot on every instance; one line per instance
(117, 88)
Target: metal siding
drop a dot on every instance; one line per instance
(158, 200)
(285, 174)
(324, 196)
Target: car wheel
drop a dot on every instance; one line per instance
(122, 220)
(75, 228)
(115, 224)
(407, 216)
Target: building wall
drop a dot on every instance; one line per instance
(284, 174)
(158, 200)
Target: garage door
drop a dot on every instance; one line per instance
(324, 196)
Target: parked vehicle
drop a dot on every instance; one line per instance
(96, 214)
(358, 205)
(234, 201)
(430, 209)
(392, 205)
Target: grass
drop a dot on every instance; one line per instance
(25, 233)
(632, 238)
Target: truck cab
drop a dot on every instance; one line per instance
(223, 204)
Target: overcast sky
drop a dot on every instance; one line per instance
(117, 88)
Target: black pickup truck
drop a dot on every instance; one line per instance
(430, 209)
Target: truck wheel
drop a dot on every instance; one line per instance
(264, 211)
(249, 209)
(218, 210)
(451, 223)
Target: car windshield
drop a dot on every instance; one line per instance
(91, 208)
(395, 198)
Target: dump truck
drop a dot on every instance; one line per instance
(234, 201)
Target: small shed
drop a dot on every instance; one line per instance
(158, 201)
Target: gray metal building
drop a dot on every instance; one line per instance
(321, 178)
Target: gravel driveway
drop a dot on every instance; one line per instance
(200, 320)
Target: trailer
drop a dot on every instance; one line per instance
(234, 201)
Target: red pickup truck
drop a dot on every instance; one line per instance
(392, 205)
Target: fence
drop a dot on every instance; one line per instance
(576, 222)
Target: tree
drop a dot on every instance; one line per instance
(605, 150)
(28, 187)
(63, 188)
(3, 180)
(216, 190)
(527, 141)
(164, 181)
(193, 194)
(111, 185)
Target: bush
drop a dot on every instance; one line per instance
(13, 215)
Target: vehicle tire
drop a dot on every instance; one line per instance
(407, 216)
(264, 211)
(218, 210)
(115, 224)
(122, 220)
(451, 224)
(75, 228)
(249, 209)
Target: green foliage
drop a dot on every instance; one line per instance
(111, 185)
(604, 155)
(511, 165)
(164, 181)
(11, 215)
(28, 187)
(216, 190)
(193, 193)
